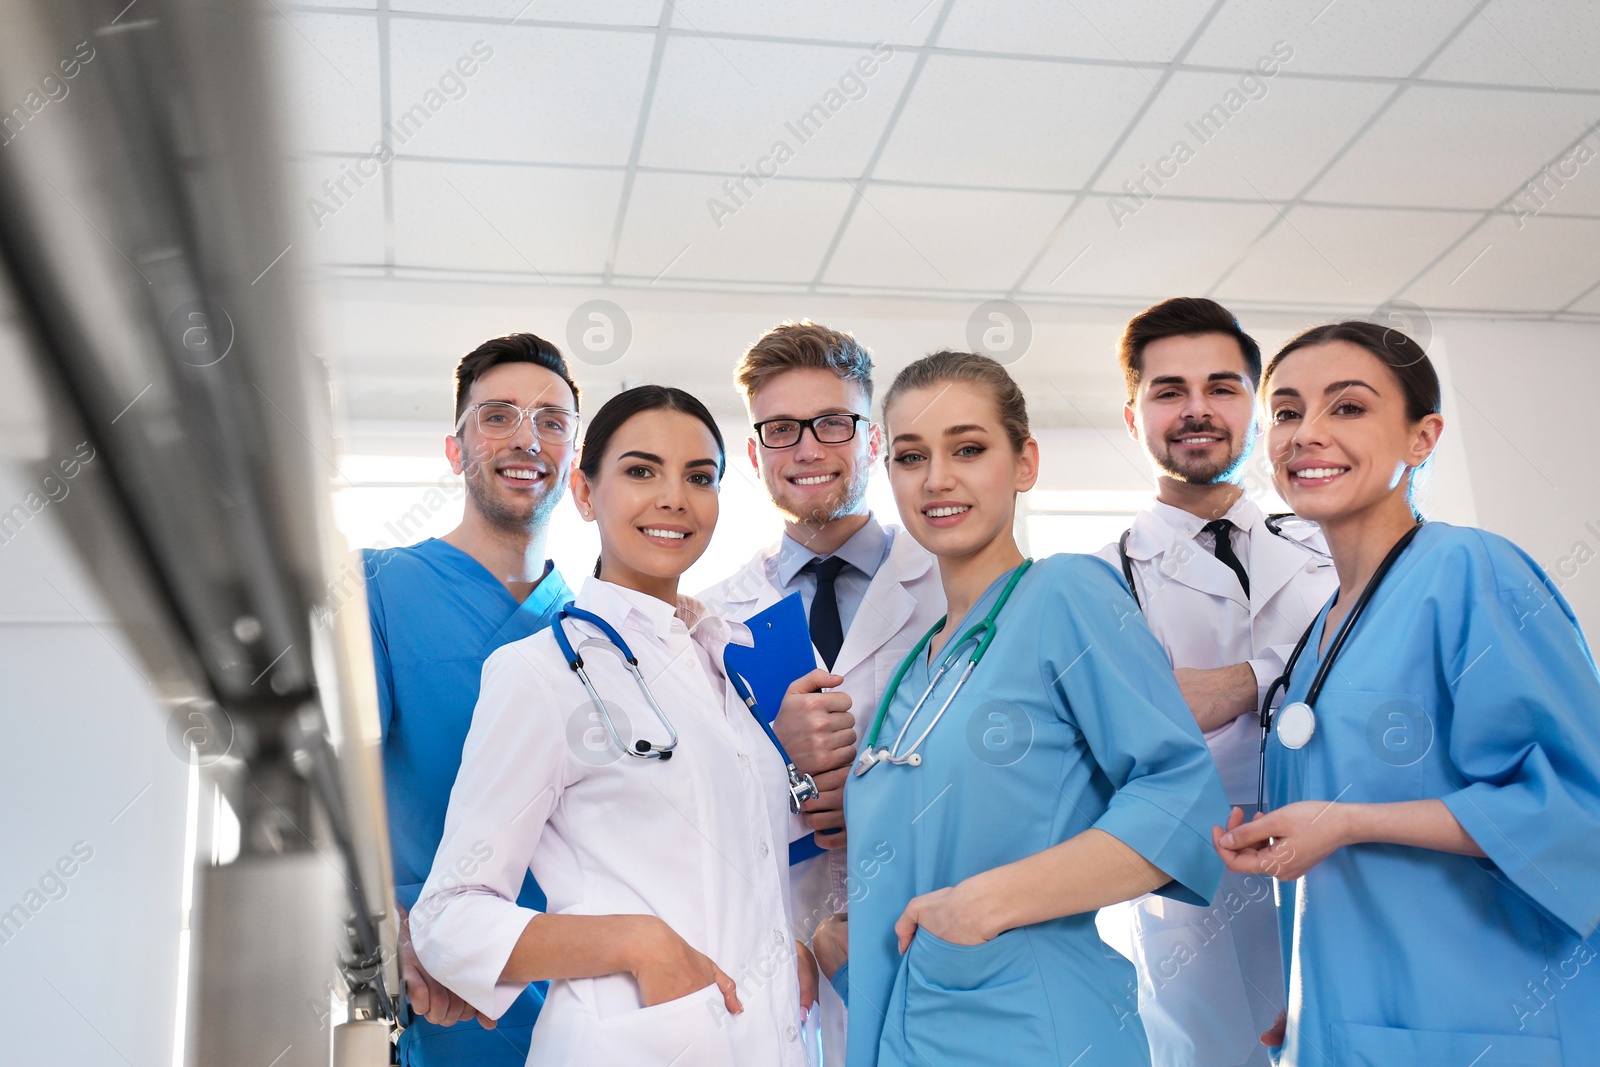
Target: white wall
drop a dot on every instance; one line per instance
(1527, 396)
(91, 976)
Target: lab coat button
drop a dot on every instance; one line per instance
(777, 938)
(763, 850)
(1311, 568)
(744, 758)
(791, 1033)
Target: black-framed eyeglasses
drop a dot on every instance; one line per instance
(832, 429)
(498, 419)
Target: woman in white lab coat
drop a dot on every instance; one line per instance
(665, 939)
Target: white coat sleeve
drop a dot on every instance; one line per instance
(513, 770)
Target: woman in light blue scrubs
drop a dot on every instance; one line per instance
(1066, 774)
(1434, 811)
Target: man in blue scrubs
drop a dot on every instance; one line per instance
(438, 609)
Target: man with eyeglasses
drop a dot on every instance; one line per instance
(438, 608)
(868, 589)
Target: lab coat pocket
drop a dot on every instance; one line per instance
(1193, 1000)
(688, 1030)
(976, 1004)
(1357, 1045)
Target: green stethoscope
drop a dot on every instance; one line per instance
(981, 635)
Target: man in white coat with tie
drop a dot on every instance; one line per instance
(869, 590)
(1228, 591)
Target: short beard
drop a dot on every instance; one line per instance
(499, 513)
(845, 501)
(1202, 473)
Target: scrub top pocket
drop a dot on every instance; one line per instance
(1357, 1045)
(688, 1030)
(977, 1004)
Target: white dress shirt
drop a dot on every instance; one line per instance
(1211, 979)
(698, 840)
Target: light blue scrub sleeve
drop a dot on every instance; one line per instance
(1525, 730)
(841, 982)
(1113, 681)
(380, 644)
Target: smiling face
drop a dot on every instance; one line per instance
(1340, 441)
(954, 472)
(813, 483)
(513, 483)
(1194, 411)
(655, 498)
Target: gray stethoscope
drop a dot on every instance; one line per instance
(981, 635)
(1296, 722)
(1273, 523)
(801, 786)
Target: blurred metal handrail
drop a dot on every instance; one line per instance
(144, 236)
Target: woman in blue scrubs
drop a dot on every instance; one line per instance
(1434, 811)
(1066, 774)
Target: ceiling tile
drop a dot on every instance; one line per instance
(1527, 43)
(1011, 123)
(942, 238)
(722, 105)
(1169, 247)
(776, 234)
(1372, 37)
(617, 12)
(329, 69)
(1590, 302)
(1343, 256)
(535, 94)
(1241, 136)
(1129, 30)
(894, 21)
(530, 220)
(1455, 148)
(1539, 265)
(340, 202)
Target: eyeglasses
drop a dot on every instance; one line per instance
(826, 429)
(498, 419)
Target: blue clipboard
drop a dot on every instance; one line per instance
(781, 653)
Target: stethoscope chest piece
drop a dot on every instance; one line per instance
(1296, 723)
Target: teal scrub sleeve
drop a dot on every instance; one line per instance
(1111, 679)
(1524, 730)
(841, 982)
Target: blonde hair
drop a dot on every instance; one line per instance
(950, 366)
(798, 345)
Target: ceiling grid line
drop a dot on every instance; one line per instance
(1116, 146)
(858, 187)
(385, 116)
(1344, 149)
(645, 105)
(972, 53)
(1498, 209)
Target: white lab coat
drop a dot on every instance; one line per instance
(697, 840)
(1197, 965)
(903, 600)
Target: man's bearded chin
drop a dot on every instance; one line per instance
(844, 502)
(512, 516)
(1203, 472)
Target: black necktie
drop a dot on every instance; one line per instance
(1224, 550)
(827, 633)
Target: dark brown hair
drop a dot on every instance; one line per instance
(804, 344)
(1410, 364)
(630, 402)
(1182, 316)
(512, 348)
